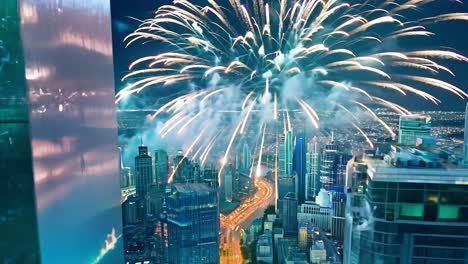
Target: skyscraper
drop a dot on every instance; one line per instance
(411, 211)
(143, 174)
(465, 141)
(285, 153)
(209, 175)
(328, 167)
(184, 170)
(300, 165)
(161, 167)
(286, 184)
(227, 183)
(131, 215)
(246, 156)
(193, 224)
(412, 127)
(312, 181)
(289, 151)
(289, 213)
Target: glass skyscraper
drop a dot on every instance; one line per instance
(161, 168)
(285, 153)
(289, 206)
(246, 156)
(328, 166)
(411, 212)
(312, 179)
(192, 224)
(300, 165)
(143, 174)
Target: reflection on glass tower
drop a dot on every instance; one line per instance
(193, 224)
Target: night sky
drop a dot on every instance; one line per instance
(448, 34)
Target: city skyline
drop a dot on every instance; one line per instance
(234, 132)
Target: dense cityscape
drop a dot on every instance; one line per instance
(234, 132)
(318, 199)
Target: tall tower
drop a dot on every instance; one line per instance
(289, 213)
(285, 154)
(161, 167)
(143, 173)
(328, 167)
(465, 140)
(289, 151)
(312, 179)
(300, 165)
(246, 156)
(183, 167)
(227, 183)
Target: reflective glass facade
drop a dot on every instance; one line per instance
(401, 222)
(19, 243)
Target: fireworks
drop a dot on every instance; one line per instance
(250, 52)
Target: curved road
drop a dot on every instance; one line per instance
(243, 217)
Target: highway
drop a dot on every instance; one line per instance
(241, 218)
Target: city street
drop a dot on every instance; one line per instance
(241, 218)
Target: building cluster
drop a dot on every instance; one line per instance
(405, 205)
(309, 220)
(171, 207)
(403, 202)
(410, 205)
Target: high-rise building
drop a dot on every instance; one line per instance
(412, 127)
(196, 171)
(161, 167)
(209, 175)
(130, 210)
(338, 212)
(143, 174)
(227, 183)
(312, 180)
(193, 224)
(328, 166)
(285, 153)
(286, 184)
(414, 210)
(289, 152)
(300, 166)
(465, 141)
(289, 213)
(246, 156)
(183, 169)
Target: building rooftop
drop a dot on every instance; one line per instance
(405, 164)
(191, 187)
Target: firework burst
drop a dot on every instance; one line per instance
(256, 47)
